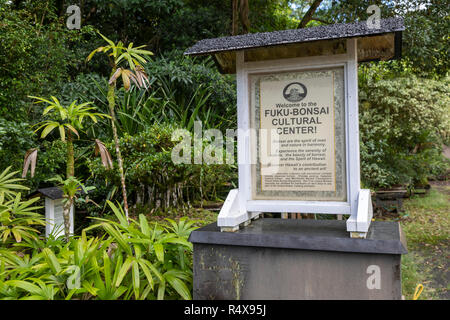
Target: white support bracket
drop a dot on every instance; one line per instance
(232, 215)
(358, 225)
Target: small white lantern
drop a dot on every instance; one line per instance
(54, 212)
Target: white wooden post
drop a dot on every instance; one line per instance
(49, 216)
(55, 218)
(360, 201)
(234, 211)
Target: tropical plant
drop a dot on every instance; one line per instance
(9, 185)
(119, 57)
(68, 120)
(157, 252)
(130, 260)
(17, 217)
(133, 260)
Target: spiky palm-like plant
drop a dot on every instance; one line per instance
(127, 63)
(68, 120)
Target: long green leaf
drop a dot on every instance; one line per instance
(52, 261)
(147, 273)
(178, 285)
(117, 268)
(159, 251)
(121, 240)
(161, 290)
(25, 285)
(48, 128)
(123, 271)
(144, 225)
(107, 268)
(136, 279)
(120, 215)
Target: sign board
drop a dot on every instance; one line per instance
(299, 118)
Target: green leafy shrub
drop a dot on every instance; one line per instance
(18, 217)
(179, 80)
(154, 180)
(160, 254)
(128, 260)
(8, 184)
(15, 139)
(36, 55)
(134, 261)
(182, 90)
(403, 125)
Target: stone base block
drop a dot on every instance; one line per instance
(297, 259)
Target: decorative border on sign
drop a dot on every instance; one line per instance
(340, 193)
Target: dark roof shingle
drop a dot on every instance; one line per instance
(52, 193)
(255, 40)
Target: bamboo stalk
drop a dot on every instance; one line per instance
(111, 102)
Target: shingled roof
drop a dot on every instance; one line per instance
(52, 192)
(217, 46)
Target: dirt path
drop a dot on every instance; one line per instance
(434, 260)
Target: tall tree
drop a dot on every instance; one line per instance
(240, 10)
(68, 120)
(119, 58)
(309, 14)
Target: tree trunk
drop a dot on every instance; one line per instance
(309, 14)
(235, 19)
(240, 11)
(244, 11)
(70, 169)
(111, 102)
(66, 215)
(70, 172)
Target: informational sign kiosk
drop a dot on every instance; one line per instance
(298, 135)
(297, 100)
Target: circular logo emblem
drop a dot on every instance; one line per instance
(295, 92)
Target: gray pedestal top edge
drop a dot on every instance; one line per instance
(384, 237)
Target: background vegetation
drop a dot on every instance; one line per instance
(404, 122)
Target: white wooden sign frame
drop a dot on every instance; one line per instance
(239, 206)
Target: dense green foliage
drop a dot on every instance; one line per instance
(404, 122)
(425, 40)
(15, 139)
(18, 217)
(125, 260)
(153, 180)
(37, 54)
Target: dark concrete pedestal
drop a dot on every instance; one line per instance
(298, 259)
